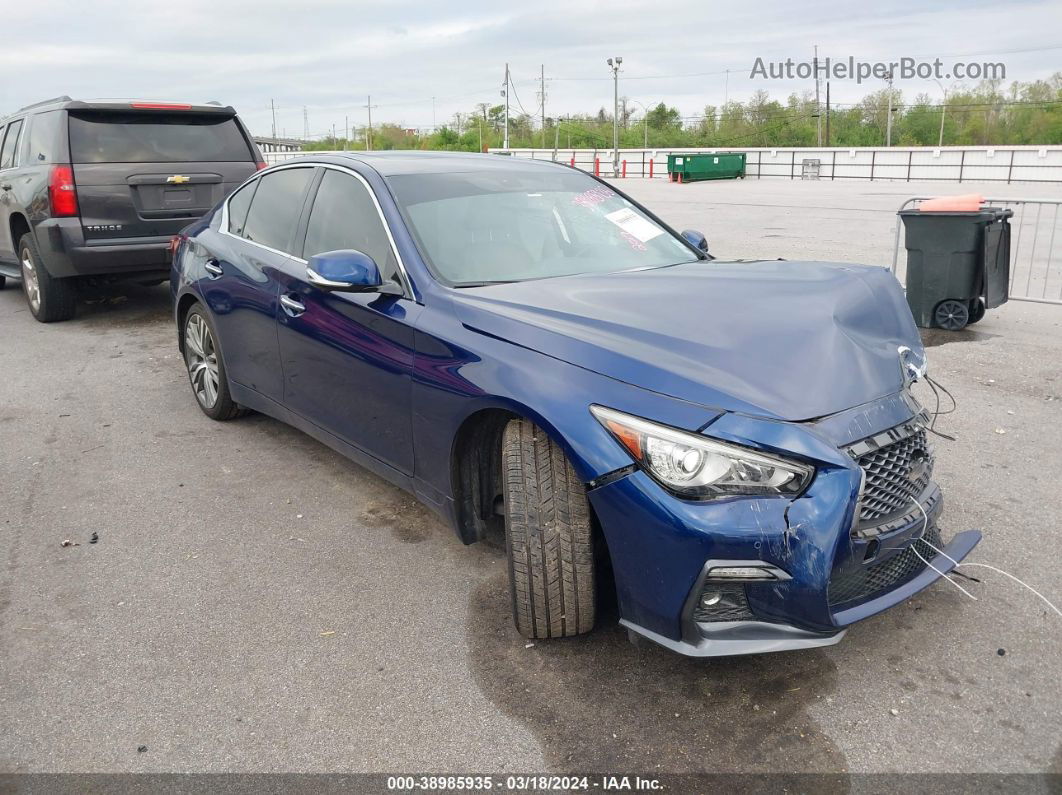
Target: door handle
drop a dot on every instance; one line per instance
(6, 186)
(293, 306)
(212, 267)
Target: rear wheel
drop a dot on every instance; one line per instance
(50, 299)
(3, 281)
(548, 535)
(206, 368)
(977, 311)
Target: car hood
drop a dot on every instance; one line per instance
(780, 339)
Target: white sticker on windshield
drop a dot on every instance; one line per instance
(634, 225)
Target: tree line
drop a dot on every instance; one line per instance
(988, 114)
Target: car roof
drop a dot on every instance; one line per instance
(398, 162)
(68, 103)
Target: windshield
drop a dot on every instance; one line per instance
(484, 227)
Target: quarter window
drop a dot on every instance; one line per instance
(344, 216)
(9, 153)
(275, 208)
(45, 139)
(238, 206)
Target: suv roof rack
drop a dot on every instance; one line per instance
(61, 98)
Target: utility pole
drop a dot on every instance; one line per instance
(818, 107)
(888, 120)
(505, 93)
(827, 113)
(614, 65)
(346, 132)
(335, 141)
(434, 126)
(273, 109)
(543, 102)
(305, 124)
(368, 138)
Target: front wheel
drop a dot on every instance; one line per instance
(548, 536)
(206, 368)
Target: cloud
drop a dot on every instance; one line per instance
(329, 55)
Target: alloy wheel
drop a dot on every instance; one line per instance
(31, 282)
(202, 360)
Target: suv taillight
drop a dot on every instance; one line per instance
(61, 192)
(260, 165)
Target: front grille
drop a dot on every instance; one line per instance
(896, 474)
(866, 581)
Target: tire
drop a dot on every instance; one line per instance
(548, 537)
(951, 314)
(50, 299)
(977, 311)
(206, 367)
(3, 282)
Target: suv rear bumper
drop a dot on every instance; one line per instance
(66, 253)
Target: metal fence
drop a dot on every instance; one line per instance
(892, 164)
(949, 164)
(1035, 274)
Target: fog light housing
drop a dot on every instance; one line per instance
(725, 602)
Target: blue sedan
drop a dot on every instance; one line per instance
(733, 448)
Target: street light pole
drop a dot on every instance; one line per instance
(614, 65)
(888, 119)
(943, 112)
(505, 91)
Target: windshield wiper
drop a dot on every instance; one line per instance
(485, 284)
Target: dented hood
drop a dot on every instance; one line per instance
(781, 339)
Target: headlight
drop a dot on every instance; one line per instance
(694, 466)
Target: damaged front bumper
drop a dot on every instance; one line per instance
(836, 571)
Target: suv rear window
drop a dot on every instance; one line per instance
(155, 138)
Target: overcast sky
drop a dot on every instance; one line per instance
(329, 55)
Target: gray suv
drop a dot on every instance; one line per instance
(97, 189)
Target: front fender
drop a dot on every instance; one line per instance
(458, 372)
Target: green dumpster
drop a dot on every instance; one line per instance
(693, 167)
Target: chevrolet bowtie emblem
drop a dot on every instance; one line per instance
(177, 179)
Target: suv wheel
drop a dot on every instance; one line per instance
(206, 368)
(50, 299)
(548, 536)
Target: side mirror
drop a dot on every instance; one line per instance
(697, 240)
(347, 271)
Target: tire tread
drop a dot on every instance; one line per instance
(549, 536)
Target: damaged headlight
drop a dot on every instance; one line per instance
(696, 467)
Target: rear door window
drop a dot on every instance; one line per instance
(156, 138)
(344, 216)
(9, 152)
(276, 207)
